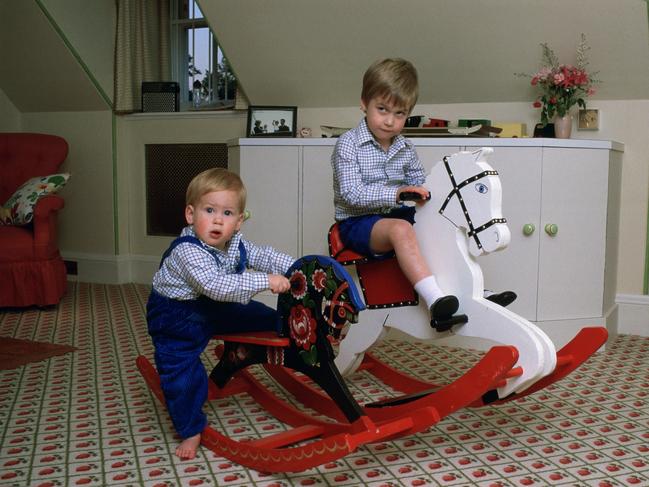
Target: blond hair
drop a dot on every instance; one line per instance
(215, 179)
(393, 79)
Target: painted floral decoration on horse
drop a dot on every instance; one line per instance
(320, 294)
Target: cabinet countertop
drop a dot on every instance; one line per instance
(442, 142)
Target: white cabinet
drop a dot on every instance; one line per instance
(317, 199)
(271, 179)
(517, 266)
(574, 198)
(563, 281)
(557, 276)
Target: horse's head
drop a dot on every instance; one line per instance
(473, 199)
(322, 294)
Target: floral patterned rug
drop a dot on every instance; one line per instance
(86, 418)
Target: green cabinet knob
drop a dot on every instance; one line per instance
(551, 229)
(528, 229)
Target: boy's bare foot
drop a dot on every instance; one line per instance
(187, 448)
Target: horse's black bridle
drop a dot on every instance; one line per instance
(473, 232)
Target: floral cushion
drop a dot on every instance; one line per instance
(19, 209)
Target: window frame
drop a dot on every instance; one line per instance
(179, 47)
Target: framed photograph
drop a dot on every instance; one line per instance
(271, 121)
(588, 119)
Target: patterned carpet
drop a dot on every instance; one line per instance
(86, 418)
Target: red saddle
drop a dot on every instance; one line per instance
(383, 283)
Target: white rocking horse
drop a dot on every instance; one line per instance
(462, 220)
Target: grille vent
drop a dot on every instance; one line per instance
(169, 169)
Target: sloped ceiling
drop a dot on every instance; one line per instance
(313, 53)
(38, 72)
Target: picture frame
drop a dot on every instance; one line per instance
(588, 119)
(271, 121)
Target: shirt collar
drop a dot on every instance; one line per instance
(231, 251)
(365, 136)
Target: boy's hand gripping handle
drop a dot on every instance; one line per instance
(412, 196)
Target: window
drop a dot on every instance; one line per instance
(203, 72)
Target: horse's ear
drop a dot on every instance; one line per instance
(482, 153)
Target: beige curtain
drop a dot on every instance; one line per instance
(141, 49)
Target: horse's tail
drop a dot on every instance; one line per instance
(322, 294)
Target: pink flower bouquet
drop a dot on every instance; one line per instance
(562, 85)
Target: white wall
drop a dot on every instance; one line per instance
(39, 72)
(86, 222)
(9, 115)
(90, 29)
(314, 53)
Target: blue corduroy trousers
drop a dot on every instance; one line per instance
(180, 331)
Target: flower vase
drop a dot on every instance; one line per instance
(562, 127)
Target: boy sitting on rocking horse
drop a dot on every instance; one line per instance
(201, 290)
(376, 168)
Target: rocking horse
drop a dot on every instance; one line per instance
(323, 301)
(462, 221)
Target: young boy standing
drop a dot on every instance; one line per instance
(201, 289)
(373, 165)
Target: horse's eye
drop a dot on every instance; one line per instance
(481, 188)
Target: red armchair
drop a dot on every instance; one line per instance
(32, 271)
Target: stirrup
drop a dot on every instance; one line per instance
(444, 308)
(503, 299)
(445, 325)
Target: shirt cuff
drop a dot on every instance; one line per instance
(261, 280)
(391, 194)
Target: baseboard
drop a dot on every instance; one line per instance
(113, 269)
(633, 314)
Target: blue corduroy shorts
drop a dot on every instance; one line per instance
(355, 231)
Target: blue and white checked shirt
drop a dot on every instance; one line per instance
(366, 178)
(191, 271)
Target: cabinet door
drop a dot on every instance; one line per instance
(429, 156)
(271, 178)
(317, 199)
(516, 267)
(571, 263)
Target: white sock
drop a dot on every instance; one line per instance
(428, 289)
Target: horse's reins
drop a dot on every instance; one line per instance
(473, 232)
